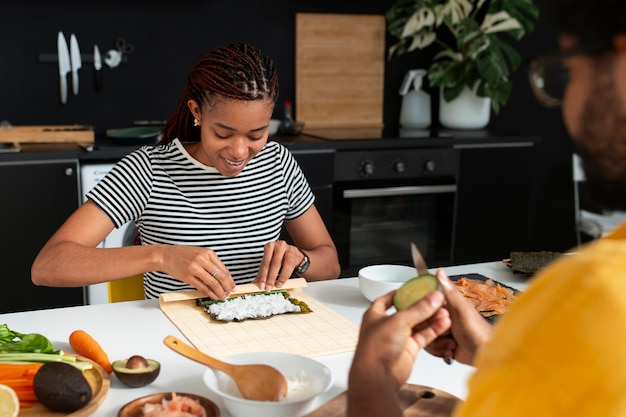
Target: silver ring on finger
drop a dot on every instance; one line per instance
(215, 271)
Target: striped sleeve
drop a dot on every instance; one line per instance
(124, 192)
(300, 195)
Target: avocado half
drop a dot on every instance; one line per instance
(136, 371)
(414, 290)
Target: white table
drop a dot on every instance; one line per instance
(139, 327)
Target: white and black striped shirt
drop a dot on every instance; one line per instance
(173, 199)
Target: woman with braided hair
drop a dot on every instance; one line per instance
(209, 200)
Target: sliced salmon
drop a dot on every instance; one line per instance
(488, 297)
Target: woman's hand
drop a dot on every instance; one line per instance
(200, 267)
(280, 259)
(469, 330)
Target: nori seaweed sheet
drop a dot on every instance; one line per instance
(531, 262)
(206, 302)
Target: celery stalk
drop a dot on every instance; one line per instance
(29, 357)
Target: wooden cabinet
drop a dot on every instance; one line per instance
(37, 197)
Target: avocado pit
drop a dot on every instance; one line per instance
(136, 371)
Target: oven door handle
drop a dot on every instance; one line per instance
(395, 191)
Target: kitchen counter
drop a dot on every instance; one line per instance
(106, 150)
(44, 173)
(139, 327)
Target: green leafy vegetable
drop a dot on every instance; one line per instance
(16, 347)
(12, 341)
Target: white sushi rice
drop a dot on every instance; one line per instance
(299, 386)
(252, 306)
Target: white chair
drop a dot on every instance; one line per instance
(592, 221)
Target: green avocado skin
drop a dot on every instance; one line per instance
(414, 290)
(136, 377)
(61, 387)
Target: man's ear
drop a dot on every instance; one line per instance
(619, 43)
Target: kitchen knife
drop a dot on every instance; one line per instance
(418, 261)
(76, 62)
(97, 66)
(64, 65)
(422, 269)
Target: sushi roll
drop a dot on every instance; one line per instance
(253, 306)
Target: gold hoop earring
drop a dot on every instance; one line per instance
(196, 122)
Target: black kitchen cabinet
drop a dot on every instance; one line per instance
(495, 207)
(317, 166)
(37, 197)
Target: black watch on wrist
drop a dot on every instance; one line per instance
(304, 265)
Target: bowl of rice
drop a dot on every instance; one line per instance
(306, 380)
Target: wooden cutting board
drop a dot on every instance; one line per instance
(415, 400)
(48, 134)
(99, 381)
(340, 63)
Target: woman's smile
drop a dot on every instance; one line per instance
(234, 165)
(231, 133)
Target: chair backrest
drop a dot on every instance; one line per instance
(592, 220)
(127, 289)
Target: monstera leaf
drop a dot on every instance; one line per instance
(473, 37)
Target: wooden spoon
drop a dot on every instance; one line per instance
(255, 382)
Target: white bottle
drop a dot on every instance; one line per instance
(415, 109)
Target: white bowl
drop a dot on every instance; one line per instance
(274, 124)
(307, 378)
(377, 280)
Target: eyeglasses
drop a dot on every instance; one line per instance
(549, 76)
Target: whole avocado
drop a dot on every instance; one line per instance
(61, 387)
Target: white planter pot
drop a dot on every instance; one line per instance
(467, 111)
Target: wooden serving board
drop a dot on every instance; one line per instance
(99, 381)
(415, 400)
(320, 332)
(340, 66)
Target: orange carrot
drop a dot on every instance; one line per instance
(20, 376)
(26, 394)
(9, 370)
(84, 344)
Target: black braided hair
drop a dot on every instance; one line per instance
(238, 71)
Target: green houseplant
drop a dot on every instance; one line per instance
(473, 37)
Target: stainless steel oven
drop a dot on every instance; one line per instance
(383, 199)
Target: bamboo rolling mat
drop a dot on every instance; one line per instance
(320, 332)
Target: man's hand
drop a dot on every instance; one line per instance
(469, 330)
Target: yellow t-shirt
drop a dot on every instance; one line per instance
(561, 349)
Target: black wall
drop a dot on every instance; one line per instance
(168, 38)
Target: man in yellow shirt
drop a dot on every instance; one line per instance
(560, 350)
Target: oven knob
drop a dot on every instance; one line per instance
(366, 168)
(399, 167)
(429, 166)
